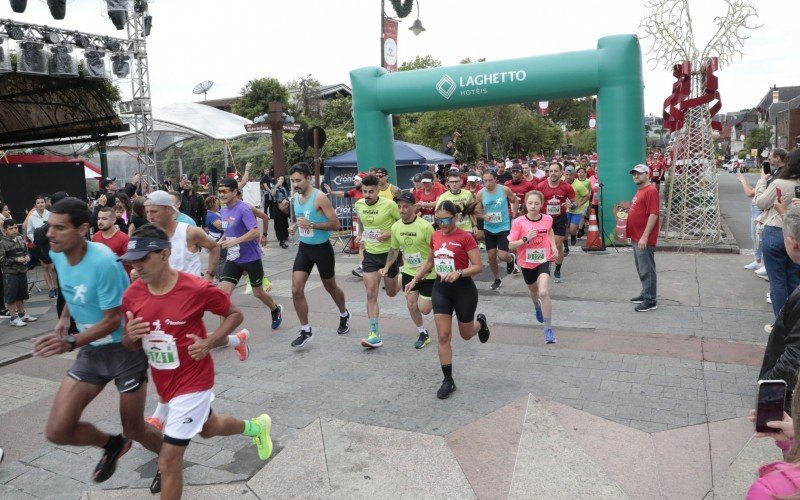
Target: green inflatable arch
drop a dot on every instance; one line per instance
(613, 72)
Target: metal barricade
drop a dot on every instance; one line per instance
(346, 235)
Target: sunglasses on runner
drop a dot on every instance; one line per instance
(444, 221)
(223, 190)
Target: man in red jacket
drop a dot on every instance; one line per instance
(642, 230)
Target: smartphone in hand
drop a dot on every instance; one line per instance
(769, 403)
(797, 191)
(767, 167)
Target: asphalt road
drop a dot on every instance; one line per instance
(735, 206)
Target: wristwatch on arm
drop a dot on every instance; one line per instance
(71, 341)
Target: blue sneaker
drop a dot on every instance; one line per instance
(549, 336)
(557, 276)
(277, 317)
(372, 341)
(539, 314)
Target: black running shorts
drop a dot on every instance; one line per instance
(320, 255)
(560, 225)
(460, 297)
(496, 240)
(232, 272)
(531, 275)
(374, 262)
(99, 365)
(424, 287)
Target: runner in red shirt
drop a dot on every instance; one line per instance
(642, 229)
(519, 186)
(110, 235)
(557, 193)
(455, 258)
(164, 311)
(426, 196)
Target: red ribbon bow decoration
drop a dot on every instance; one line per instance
(711, 93)
(673, 115)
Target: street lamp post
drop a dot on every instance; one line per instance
(415, 28)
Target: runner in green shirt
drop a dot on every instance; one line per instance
(376, 215)
(461, 198)
(412, 235)
(582, 192)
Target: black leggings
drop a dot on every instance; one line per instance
(460, 296)
(281, 223)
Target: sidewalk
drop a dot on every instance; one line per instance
(636, 405)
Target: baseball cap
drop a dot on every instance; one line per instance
(109, 180)
(533, 162)
(516, 168)
(138, 248)
(569, 169)
(426, 177)
(454, 167)
(473, 178)
(161, 198)
(381, 170)
(509, 164)
(641, 168)
(229, 183)
(407, 197)
(417, 178)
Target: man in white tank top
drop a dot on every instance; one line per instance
(186, 241)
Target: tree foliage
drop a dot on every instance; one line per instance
(758, 138)
(257, 94)
(338, 113)
(420, 63)
(308, 101)
(573, 113)
(584, 141)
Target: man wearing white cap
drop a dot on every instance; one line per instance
(642, 230)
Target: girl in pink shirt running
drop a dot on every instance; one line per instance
(532, 238)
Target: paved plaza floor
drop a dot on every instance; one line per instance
(625, 405)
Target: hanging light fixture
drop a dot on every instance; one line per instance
(62, 61)
(94, 63)
(32, 58)
(5, 55)
(118, 12)
(417, 28)
(14, 32)
(19, 6)
(82, 41)
(58, 8)
(120, 65)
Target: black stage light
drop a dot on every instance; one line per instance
(120, 65)
(112, 45)
(95, 63)
(62, 63)
(19, 5)
(15, 32)
(50, 37)
(58, 8)
(33, 58)
(148, 25)
(82, 41)
(118, 12)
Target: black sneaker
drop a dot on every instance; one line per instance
(566, 249)
(155, 486)
(107, 465)
(423, 340)
(496, 284)
(302, 339)
(483, 333)
(646, 306)
(448, 387)
(638, 299)
(277, 317)
(510, 267)
(573, 240)
(344, 324)
(5, 314)
(581, 233)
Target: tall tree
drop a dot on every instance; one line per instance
(255, 96)
(308, 98)
(573, 113)
(338, 112)
(420, 63)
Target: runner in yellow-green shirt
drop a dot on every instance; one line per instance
(412, 235)
(376, 215)
(461, 198)
(582, 192)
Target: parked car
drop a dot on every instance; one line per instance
(728, 166)
(748, 164)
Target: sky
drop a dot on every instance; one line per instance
(231, 42)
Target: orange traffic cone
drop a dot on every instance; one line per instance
(593, 240)
(352, 244)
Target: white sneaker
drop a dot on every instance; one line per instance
(28, 318)
(768, 328)
(753, 265)
(18, 322)
(769, 299)
(761, 271)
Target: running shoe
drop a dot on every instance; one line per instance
(27, 318)
(761, 271)
(573, 239)
(423, 340)
(155, 422)
(155, 486)
(263, 442)
(447, 388)
(768, 328)
(566, 249)
(248, 289)
(5, 314)
(539, 313)
(266, 285)
(510, 267)
(52, 293)
(483, 333)
(277, 317)
(18, 322)
(581, 233)
(549, 336)
(496, 284)
(646, 306)
(344, 324)
(373, 340)
(302, 339)
(107, 465)
(481, 246)
(557, 276)
(358, 272)
(638, 299)
(769, 299)
(753, 265)
(243, 349)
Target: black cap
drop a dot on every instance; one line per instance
(381, 170)
(109, 180)
(416, 178)
(138, 248)
(407, 197)
(229, 183)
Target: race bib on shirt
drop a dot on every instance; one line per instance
(444, 265)
(553, 209)
(535, 255)
(161, 350)
(372, 235)
(413, 259)
(493, 217)
(306, 233)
